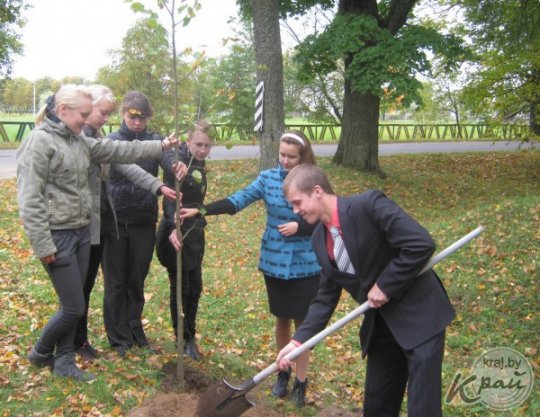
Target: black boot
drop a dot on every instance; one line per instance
(65, 366)
(280, 389)
(190, 350)
(298, 395)
(40, 360)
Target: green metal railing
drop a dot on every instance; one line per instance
(11, 131)
(21, 128)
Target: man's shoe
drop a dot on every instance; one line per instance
(65, 366)
(191, 351)
(87, 352)
(280, 389)
(40, 360)
(298, 394)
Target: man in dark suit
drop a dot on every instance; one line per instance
(402, 333)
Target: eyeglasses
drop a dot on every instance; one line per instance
(200, 145)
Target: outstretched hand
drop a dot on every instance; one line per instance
(170, 142)
(169, 193)
(179, 170)
(187, 212)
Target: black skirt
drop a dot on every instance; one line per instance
(289, 299)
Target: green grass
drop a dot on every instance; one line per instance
(492, 283)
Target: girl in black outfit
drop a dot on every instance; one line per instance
(103, 104)
(130, 234)
(192, 154)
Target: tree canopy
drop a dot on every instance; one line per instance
(382, 52)
(378, 57)
(10, 22)
(143, 63)
(506, 37)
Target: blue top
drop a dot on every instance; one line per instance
(285, 257)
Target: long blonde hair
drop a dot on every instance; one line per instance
(101, 93)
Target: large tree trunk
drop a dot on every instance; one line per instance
(269, 70)
(359, 141)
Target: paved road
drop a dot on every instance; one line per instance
(8, 164)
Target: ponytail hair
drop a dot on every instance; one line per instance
(71, 95)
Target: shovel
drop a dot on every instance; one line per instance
(225, 400)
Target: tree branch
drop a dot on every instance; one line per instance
(337, 113)
(397, 15)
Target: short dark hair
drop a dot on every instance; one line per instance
(305, 177)
(137, 100)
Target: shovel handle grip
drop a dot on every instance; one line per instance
(308, 344)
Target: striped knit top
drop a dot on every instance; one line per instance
(284, 257)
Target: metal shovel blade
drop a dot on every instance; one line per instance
(224, 400)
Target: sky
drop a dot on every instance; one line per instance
(71, 37)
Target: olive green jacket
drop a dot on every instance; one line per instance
(53, 166)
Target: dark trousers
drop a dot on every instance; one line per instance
(191, 293)
(191, 286)
(67, 275)
(390, 369)
(126, 261)
(96, 253)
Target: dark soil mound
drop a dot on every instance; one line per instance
(173, 403)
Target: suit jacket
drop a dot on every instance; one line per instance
(388, 247)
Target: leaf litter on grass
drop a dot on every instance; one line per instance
(492, 284)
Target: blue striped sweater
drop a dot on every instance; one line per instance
(281, 256)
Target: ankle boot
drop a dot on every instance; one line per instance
(191, 350)
(298, 395)
(40, 360)
(280, 389)
(65, 366)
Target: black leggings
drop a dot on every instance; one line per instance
(67, 274)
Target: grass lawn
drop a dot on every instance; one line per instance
(492, 282)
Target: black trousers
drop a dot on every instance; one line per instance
(96, 253)
(67, 275)
(390, 369)
(126, 261)
(191, 286)
(191, 293)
